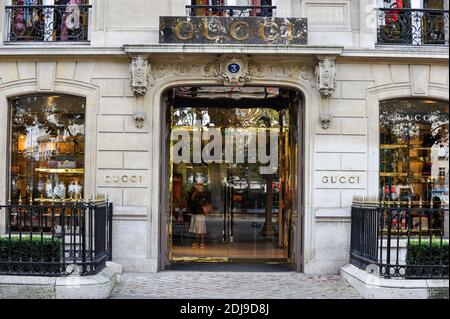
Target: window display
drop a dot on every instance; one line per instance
(47, 148)
(414, 151)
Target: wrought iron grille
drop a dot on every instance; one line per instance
(231, 11)
(56, 23)
(413, 26)
(395, 240)
(56, 238)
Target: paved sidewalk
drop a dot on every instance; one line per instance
(231, 285)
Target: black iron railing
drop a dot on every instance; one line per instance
(231, 11)
(413, 26)
(57, 23)
(396, 240)
(56, 238)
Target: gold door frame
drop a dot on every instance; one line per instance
(296, 240)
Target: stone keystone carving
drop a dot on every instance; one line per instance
(139, 75)
(233, 69)
(326, 76)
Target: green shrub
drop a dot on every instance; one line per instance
(38, 250)
(421, 254)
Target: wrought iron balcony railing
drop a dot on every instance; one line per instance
(41, 23)
(400, 240)
(400, 26)
(56, 238)
(230, 11)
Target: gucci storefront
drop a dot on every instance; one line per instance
(249, 152)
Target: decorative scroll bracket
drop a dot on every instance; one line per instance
(326, 84)
(140, 83)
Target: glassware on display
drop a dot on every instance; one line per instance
(60, 191)
(75, 189)
(49, 189)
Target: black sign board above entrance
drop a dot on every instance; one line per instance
(233, 30)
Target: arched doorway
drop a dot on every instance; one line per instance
(231, 175)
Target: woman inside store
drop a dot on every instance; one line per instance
(198, 208)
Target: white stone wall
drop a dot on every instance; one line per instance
(350, 146)
(116, 147)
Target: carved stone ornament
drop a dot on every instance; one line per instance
(233, 69)
(215, 69)
(326, 76)
(325, 120)
(139, 118)
(139, 75)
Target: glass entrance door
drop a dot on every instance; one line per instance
(231, 182)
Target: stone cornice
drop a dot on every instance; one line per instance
(84, 50)
(232, 48)
(404, 52)
(43, 50)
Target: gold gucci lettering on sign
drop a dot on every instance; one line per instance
(124, 179)
(290, 37)
(341, 179)
(180, 26)
(262, 31)
(206, 31)
(233, 30)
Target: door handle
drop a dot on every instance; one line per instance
(225, 208)
(231, 214)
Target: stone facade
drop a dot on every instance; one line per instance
(124, 128)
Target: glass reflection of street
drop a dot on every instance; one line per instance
(223, 209)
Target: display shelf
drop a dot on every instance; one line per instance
(384, 174)
(71, 171)
(51, 200)
(392, 146)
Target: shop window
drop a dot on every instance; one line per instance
(413, 138)
(47, 20)
(47, 137)
(261, 8)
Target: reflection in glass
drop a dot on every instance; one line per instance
(231, 210)
(47, 147)
(414, 155)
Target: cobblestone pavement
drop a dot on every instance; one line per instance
(231, 285)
